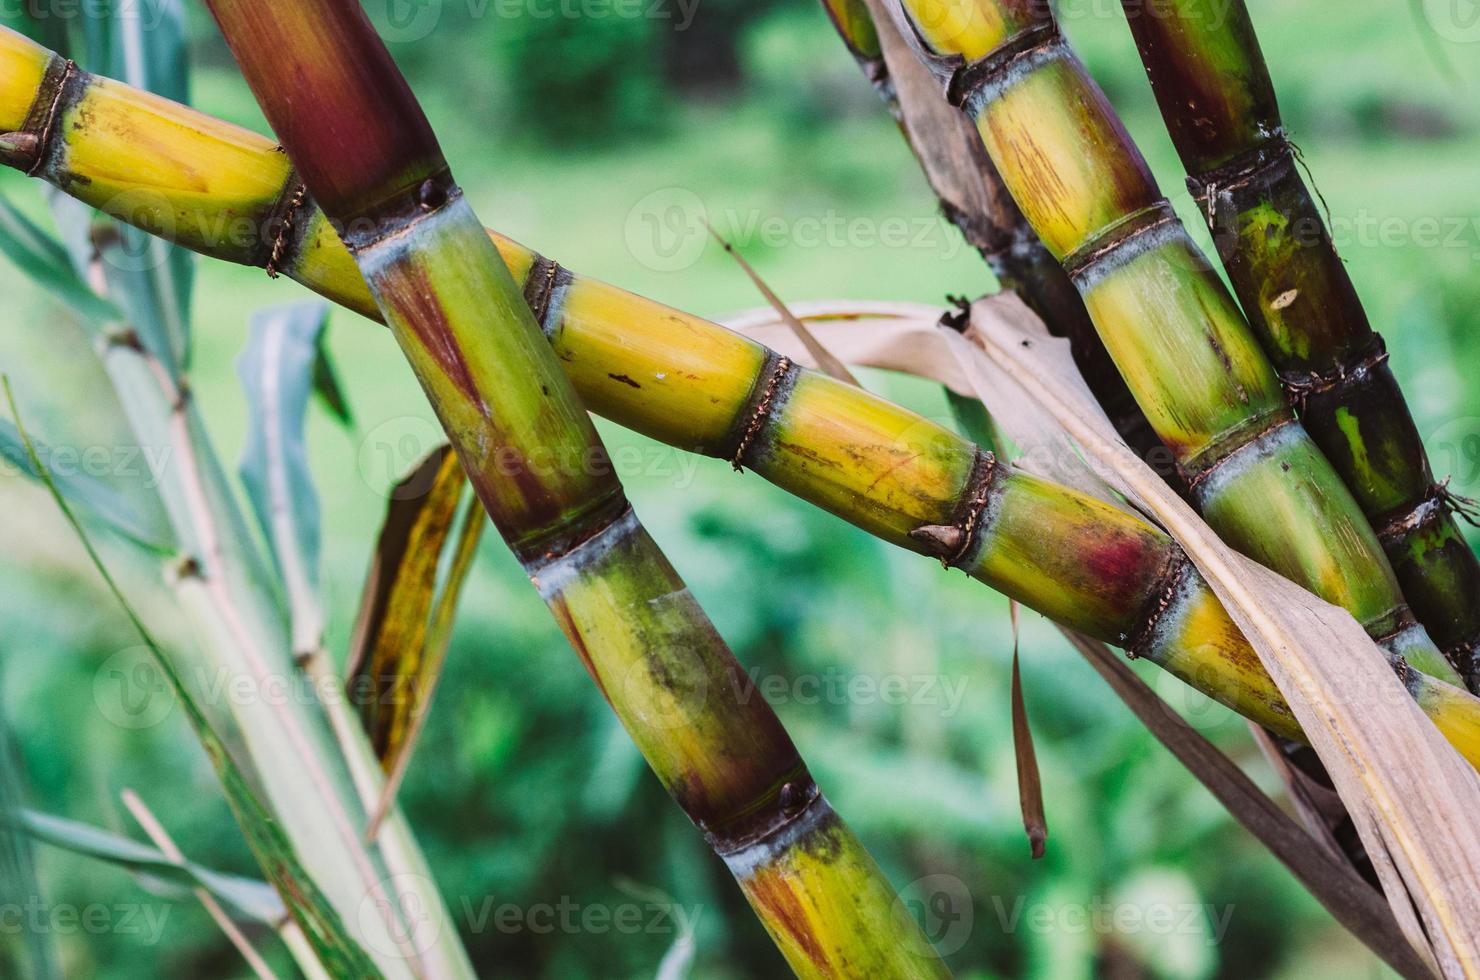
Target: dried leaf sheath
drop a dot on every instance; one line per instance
(362, 145)
(874, 464)
(1215, 93)
(1189, 357)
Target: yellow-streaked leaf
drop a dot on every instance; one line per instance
(400, 636)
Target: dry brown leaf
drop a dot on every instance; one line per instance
(1030, 785)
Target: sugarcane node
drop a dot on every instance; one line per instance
(1121, 241)
(1465, 655)
(978, 83)
(123, 337)
(1301, 386)
(779, 375)
(398, 213)
(954, 543)
(965, 83)
(61, 86)
(545, 279)
(1175, 570)
(1395, 639)
(1263, 163)
(768, 818)
(1436, 504)
(284, 215)
(578, 539)
(186, 567)
(1234, 448)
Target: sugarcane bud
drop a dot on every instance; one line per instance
(940, 540)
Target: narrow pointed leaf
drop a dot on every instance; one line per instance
(245, 897)
(325, 931)
(102, 503)
(30, 955)
(827, 363)
(1030, 785)
(326, 384)
(277, 372)
(46, 262)
(439, 636)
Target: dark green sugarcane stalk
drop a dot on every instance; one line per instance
(1215, 93)
(363, 147)
(973, 198)
(1195, 367)
(683, 381)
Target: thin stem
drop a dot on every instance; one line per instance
(162, 840)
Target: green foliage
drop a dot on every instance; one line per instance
(277, 371)
(244, 897)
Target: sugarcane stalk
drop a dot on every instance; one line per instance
(694, 385)
(1190, 358)
(1213, 86)
(363, 146)
(972, 197)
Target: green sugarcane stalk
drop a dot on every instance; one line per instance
(1176, 334)
(1215, 93)
(974, 199)
(364, 148)
(678, 379)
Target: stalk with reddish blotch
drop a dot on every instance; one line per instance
(694, 385)
(1176, 334)
(1215, 93)
(363, 147)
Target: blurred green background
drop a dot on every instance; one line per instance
(572, 133)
